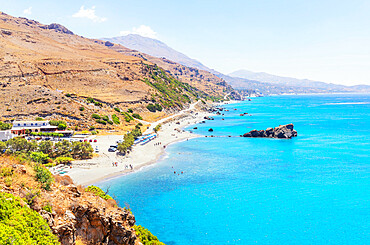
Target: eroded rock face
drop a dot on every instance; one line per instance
(281, 132)
(90, 224)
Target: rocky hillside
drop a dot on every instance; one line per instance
(198, 78)
(62, 213)
(48, 71)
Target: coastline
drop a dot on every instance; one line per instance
(97, 169)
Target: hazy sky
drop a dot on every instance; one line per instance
(320, 40)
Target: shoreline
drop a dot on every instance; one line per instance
(98, 169)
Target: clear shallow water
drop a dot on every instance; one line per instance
(313, 189)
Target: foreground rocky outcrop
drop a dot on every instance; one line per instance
(74, 214)
(281, 132)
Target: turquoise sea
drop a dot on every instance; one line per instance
(313, 189)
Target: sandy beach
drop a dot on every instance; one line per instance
(86, 172)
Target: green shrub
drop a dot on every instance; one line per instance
(56, 123)
(2, 147)
(94, 132)
(21, 225)
(43, 176)
(8, 181)
(92, 128)
(39, 157)
(154, 107)
(62, 126)
(101, 122)
(105, 118)
(110, 122)
(146, 237)
(95, 116)
(68, 95)
(63, 160)
(128, 117)
(98, 192)
(82, 108)
(48, 208)
(5, 126)
(151, 107)
(130, 110)
(115, 119)
(6, 171)
(117, 109)
(137, 116)
(39, 119)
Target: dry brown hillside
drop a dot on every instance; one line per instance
(200, 79)
(41, 64)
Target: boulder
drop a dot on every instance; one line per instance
(281, 132)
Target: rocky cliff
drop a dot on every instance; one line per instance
(74, 214)
(281, 132)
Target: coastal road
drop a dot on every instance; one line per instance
(154, 124)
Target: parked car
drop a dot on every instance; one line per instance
(96, 149)
(112, 149)
(85, 140)
(90, 140)
(95, 140)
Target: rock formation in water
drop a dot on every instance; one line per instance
(281, 132)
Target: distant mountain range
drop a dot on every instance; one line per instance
(258, 82)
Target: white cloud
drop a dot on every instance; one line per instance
(142, 30)
(28, 11)
(89, 14)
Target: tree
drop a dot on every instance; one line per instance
(46, 147)
(62, 149)
(81, 150)
(157, 128)
(17, 144)
(31, 146)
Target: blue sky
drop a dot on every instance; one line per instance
(321, 40)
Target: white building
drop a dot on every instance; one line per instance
(6, 135)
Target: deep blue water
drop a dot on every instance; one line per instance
(313, 189)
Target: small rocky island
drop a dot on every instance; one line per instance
(281, 132)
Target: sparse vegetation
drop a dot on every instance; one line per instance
(127, 116)
(91, 100)
(137, 116)
(98, 192)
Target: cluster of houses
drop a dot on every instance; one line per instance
(20, 128)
